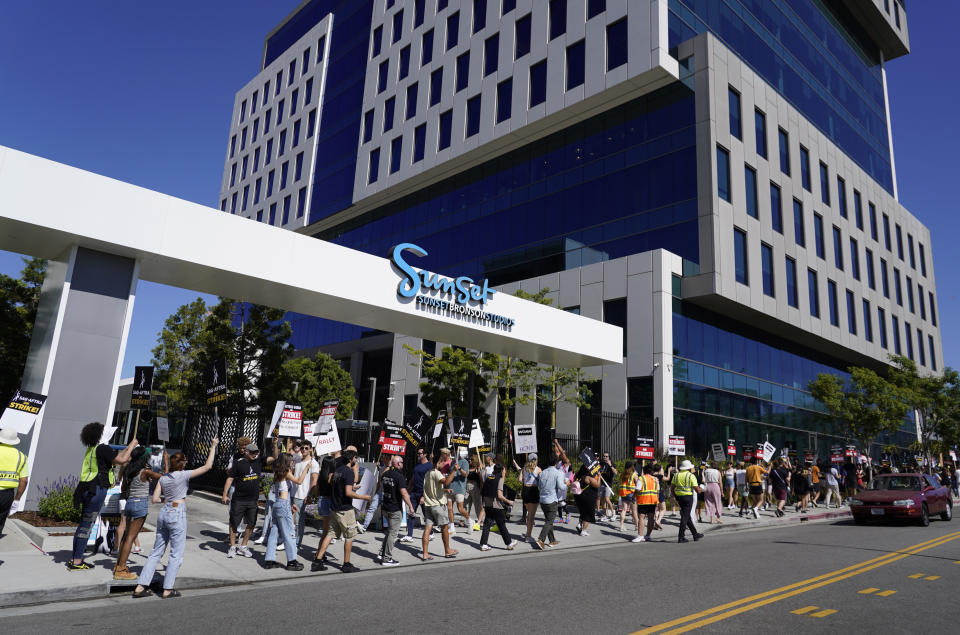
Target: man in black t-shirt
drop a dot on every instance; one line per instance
(244, 475)
(393, 488)
(343, 519)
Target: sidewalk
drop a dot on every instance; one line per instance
(29, 576)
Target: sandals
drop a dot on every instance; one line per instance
(142, 594)
(173, 594)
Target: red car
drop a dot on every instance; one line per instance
(902, 496)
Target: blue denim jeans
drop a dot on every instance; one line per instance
(412, 518)
(171, 530)
(92, 503)
(371, 510)
(281, 528)
(267, 516)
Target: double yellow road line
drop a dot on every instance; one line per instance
(731, 609)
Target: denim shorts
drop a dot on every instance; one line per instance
(323, 506)
(136, 507)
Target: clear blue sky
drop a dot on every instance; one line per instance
(143, 91)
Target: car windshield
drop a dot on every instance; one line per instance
(911, 483)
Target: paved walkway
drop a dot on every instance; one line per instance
(29, 576)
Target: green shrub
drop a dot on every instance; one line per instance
(56, 501)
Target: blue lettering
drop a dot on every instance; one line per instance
(463, 288)
(411, 285)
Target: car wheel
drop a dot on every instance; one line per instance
(947, 513)
(924, 516)
(860, 520)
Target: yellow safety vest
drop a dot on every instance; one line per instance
(683, 484)
(628, 486)
(13, 464)
(89, 469)
(649, 494)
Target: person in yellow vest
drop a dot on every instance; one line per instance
(13, 474)
(684, 485)
(96, 477)
(648, 500)
(626, 493)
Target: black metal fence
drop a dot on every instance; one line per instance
(200, 429)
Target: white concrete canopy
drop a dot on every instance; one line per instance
(46, 208)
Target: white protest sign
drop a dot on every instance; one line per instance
(719, 452)
(22, 411)
(107, 433)
(291, 421)
(525, 438)
(476, 435)
(275, 419)
(676, 445)
(326, 442)
(367, 484)
(163, 425)
(437, 429)
(769, 450)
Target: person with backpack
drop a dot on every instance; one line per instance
(494, 502)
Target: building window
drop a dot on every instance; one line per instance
(805, 168)
(896, 286)
(463, 71)
(286, 209)
(491, 54)
(436, 86)
(933, 309)
(923, 260)
(832, 302)
(740, 255)
(246, 191)
(473, 116)
(522, 37)
(419, 9)
(233, 203)
(256, 131)
(504, 99)
(766, 269)
(825, 188)
(266, 93)
(617, 44)
(266, 121)
(419, 142)
(311, 122)
(453, 30)
(243, 169)
(595, 8)
(367, 126)
(882, 327)
(867, 321)
(382, 76)
(760, 131)
(233, 145)
(799, 232)
(298, 167)
(842, 201)
(851, 313)
(233, 175)
(933, 354)
(403, 69)
(920, 349)
(871, 277)
(723, 173)
(750, 186)
(377, 41)
(260, 216)
(270, 183)
(396, 148)
(558, 18)
(899, 242)
(883, 278)
(854, 259)
(273, 213)
(776, 208)
(321, 48)
(301, 201)
(922, 302)
(412, 100)
(910, 304)
(294, 98)
(479, 15)
(284, 169)
(243, 111)
(282, 143)
(388, 108)
(818, 236)
(913, 262)
(615, 313)
(397, 26)
(813, 293)
(253, 101)
(305, 63)
(895, 329)
(445, 129)
(791, 275)
(223, 205)
(426, 48)
(538, 83)
(873, 220)
(733, 102)
(857, 208)
(296, 134)
(291, 75)
(508, 6)
(243, 139)
(886, 233)
(784, 151)
(373, 169)
(576, 64)
(837, 248)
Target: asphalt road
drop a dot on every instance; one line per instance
(816, 578)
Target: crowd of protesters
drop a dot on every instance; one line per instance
(439, 487)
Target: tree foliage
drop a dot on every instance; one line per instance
(321, 378)
(178, 373)
(935, 400)
(18, 310)
(447, 381)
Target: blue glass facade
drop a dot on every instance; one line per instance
(812, 53)
(728, 381)
(339, 130)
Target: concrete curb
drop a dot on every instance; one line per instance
(792, 519)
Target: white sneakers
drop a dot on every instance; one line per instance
(246, 553)
(406, 539)
(484, 547)
(231, 552)
(755, 513)
(639, 539)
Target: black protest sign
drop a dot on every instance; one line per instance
(460, 432)
(216, 382)
(643, 448)
(413, 431)
(22, 411)
(142, 385)
(589, 459)
(391, 431)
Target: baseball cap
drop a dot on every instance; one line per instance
(252, 447)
